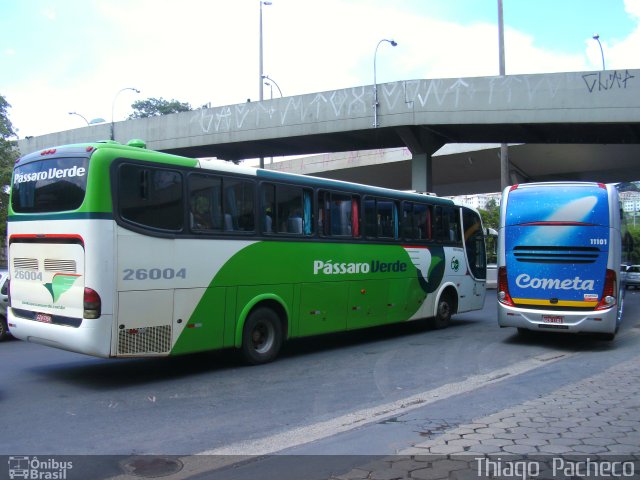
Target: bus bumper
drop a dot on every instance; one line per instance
(92, 337)
(595, 321)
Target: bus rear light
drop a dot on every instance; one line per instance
(51, 151)
(92, 303)
(503, 288)
(608, 299)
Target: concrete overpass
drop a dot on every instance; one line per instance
(598, 110)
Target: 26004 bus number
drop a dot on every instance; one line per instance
(154, 273)
(27, 275)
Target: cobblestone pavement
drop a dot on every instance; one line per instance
(559, 435)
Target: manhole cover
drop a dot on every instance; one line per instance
(152, 467)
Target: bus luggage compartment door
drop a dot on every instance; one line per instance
(144, 322)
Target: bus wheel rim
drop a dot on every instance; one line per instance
(262, 337)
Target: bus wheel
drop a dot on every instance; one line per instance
(261, 336)
(4, 331)
(443, 312)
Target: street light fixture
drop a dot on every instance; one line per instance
(81, 116)
(375, 82)
(596, 37)
(266, 77)
(113, 105)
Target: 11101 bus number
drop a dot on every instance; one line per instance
(154, 273)
(598, 241)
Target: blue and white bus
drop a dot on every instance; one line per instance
(559, 254)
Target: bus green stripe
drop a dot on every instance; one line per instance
(61, 216)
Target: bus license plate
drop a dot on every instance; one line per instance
(43, 317)
(553, 319)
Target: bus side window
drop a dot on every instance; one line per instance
(439, 232)
(205, 203)
(157, 202)
(380, 218)
(289, 209)
(341, 211)
(238, 205)
(407, 221)
(415, 224)
(268, 206)
(454, 225)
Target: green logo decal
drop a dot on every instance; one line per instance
(59, 284)
(455, 264)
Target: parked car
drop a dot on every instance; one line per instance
(4, 301)
(633, 276)
(623, 273)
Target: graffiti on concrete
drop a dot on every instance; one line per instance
(409, 96)
(605, 81)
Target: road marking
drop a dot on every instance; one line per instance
(239, 452)
(317, 431)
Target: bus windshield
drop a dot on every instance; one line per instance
(558, 204)
(52, 185)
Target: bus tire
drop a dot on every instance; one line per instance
(4, 330)
(261, 336)
(444, 311)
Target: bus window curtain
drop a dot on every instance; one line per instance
(395, 220)
(355, 219)
(306, 200)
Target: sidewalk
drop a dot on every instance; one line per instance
(562, 433)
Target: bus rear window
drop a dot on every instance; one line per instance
(582, 204)
(52, 185)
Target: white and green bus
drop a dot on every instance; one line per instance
(119, 251)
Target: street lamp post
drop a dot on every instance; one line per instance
(596, 37)
(504, 147)
(260, 66)
(266, 77)
(81, 116)
(113, 106)
(375, 81)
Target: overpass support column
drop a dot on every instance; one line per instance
(421, 172)
(422, 144)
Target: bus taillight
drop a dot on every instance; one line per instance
(608, 299)
(92, 303)
(503, 288)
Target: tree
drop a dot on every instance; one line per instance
(152, 107)
(631, 244)
(491, 215)
(8, 156)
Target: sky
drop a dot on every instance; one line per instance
(61, 56)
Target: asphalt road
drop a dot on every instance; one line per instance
(59, 403)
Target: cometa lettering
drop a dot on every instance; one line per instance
(526, 281)
(52, 173)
